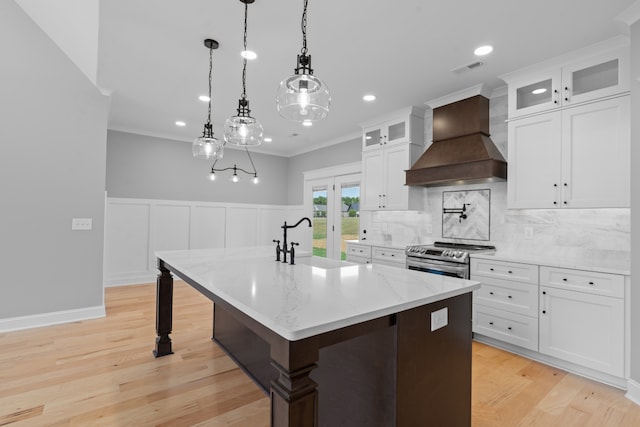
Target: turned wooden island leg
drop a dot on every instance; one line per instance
(294, 396)
(164, 311)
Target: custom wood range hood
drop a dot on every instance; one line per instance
(462, 151)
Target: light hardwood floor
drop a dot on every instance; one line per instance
(102, 373)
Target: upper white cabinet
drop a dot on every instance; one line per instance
(595, 76)
(569, 131)
(405, 126)
(573, 158)
(390, 147)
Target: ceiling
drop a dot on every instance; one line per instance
(152, 58)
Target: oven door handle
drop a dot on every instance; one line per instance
(434, 262)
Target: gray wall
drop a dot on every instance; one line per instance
(52, 168)
(146, 167)
(635, 202)
(346, 152)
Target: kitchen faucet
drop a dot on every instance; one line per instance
(284, 249)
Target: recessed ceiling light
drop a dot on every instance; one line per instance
(180, 123)
(267, 139)
(539, 91)
(369, 98)
(203, 98)
(307, 123)
(248, 54)
(483, 50)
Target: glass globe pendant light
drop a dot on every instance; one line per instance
(242, 129)
(303, 97)
(208, 146)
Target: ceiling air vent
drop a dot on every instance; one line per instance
(467, 67)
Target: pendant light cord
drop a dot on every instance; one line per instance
(210, 75)
(304, 27)
(244, 61)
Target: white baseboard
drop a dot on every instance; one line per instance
(48, 319)
(633, 391)
(124, 279)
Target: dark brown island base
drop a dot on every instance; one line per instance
(391, 369)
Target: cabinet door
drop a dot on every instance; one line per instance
(582, 328)
(596, 77)
(534, 172)
(596, 148)
(372, 180)
(397, 131)
(396, 194)
(372, 138)
(534, 94)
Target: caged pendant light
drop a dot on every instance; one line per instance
(208, 146)
(303, 97)
(242, 129)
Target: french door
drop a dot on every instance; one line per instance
(334, 205)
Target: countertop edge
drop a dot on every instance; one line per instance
(560, 263)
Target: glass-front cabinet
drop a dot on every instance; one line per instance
(598, 75)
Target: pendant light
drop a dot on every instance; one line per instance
(242, 129)
(235, 169)
(208, 146)
(303, 97)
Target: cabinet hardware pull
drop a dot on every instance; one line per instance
(490, 293)
(555, 203)
(491, 269)
(509, 296)
(566, 185)
(544, 311)
(491, 323)
(566, 99)
(566, 88)
(544, 292)
(591, 283)
(509, 328)
(564, 279)
(565, 202)
(510, 272)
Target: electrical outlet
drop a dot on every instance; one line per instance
(439, 319)
(528, 233)
(81, 223)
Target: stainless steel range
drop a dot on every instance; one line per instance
(447, 259)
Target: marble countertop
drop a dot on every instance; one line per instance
(601, 265)
(314, 296)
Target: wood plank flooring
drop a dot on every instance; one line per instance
(102, 373)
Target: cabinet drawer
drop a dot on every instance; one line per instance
(584, 281)
(358, 259)
(511, 271)
(520, 298)
(505, 326)
(359, 250)
(388, 254)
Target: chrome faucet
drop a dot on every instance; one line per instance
(284, 250)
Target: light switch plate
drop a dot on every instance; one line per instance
(439, 318)
(81, 223)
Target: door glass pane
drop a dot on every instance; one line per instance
(372, 138)
(537, 93)
(396, 131)
(349, 216)
(320, 221)
(594, 78)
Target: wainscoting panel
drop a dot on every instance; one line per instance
(242, 227)
(208, 227)
(136, 228)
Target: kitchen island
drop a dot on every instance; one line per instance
(334, 343)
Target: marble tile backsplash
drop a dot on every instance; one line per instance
(581, 234)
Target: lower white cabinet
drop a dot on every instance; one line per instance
(582, 327)
(382, 255)
(572, 315)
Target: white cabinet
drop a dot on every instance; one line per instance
(358, 253)
(580, 325)
(382, 255)
(598, 74)
(506, 305)
(383, 179)
(405, 126)
(572, 158)
(392, 257)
